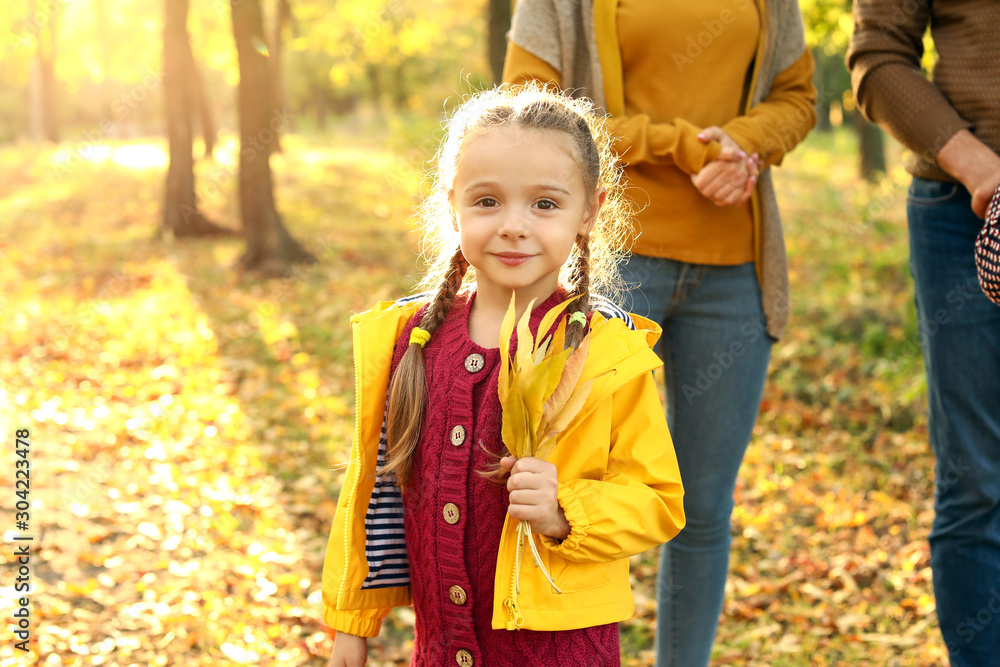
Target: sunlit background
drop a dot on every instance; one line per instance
(189, 418)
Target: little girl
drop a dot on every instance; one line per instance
(526, 201)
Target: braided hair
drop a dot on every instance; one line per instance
(407, 392)
(592, 263)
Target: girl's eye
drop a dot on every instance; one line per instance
(488, 202)
(546, 204)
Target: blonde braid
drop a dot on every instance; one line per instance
(408, 390)
(575, 330)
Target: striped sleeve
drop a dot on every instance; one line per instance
(610, 309)
(385, 535)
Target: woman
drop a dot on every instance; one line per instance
(692, 90)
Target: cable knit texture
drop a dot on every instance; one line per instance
(464, 553)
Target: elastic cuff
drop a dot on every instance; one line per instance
(576, 516)
(352, 624)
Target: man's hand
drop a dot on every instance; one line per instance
(975, 165)
(348, 651)
(730, 179)
(533, 485)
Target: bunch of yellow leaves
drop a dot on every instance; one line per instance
(539, 396)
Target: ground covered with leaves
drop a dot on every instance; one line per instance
(187, 422)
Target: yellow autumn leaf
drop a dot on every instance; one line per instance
(550, 317)
(568, 379)
(524, 341)
(541, 351)
(506, 331)
(573, 406)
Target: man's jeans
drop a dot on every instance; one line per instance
(960, 336)
(715, 351)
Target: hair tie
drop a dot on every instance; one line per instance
(419, 336)
(578, 317)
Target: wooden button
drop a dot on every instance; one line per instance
(457, 595)
(474, 362)
(463, 658)
(451, 513)
(458, 435)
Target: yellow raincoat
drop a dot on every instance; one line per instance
(620, 489)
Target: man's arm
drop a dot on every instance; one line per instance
(892, 90)
(889, 85)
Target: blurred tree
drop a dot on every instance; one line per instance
(204, 106)
(498, 25)
(871, 147)
(44, 114)
(334, 58)
(181, 94)
(828, 30)
(283, 17)
(271, 250)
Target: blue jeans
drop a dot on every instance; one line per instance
(715, 352)
(960, 337)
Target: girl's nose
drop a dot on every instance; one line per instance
(513, 225)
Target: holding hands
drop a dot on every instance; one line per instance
(730, 179)
(533, 485)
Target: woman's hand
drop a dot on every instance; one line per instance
(348, 651)
(730, 179)
(533, 485)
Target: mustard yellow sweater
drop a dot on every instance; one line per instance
(686, 66)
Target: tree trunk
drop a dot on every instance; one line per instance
(825, 88)
(44, 87)
(870, 147)
(283, 15)
(180, 208)
(374, 86)
(49, 86)
(498, 25)
(271, 250)
(400, 95)
(105, 39)
(36, 105)
(204, 106)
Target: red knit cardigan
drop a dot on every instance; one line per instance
(454, 517)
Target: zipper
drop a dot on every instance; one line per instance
(515, 614)
(513, 609)
(357, 467)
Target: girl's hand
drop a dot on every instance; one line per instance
(533, 485)
(348, 651)
(730, 179)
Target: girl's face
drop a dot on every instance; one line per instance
(520, 202)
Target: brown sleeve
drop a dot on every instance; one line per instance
(889, 85)
(784, 118)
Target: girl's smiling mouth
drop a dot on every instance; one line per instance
(512, 258)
